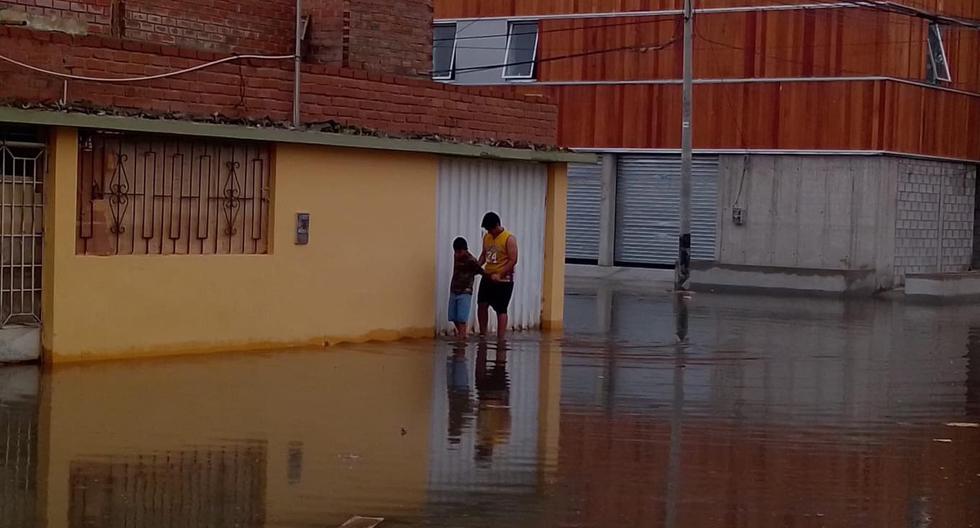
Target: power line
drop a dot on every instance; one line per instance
(644, 47)
(798, 62)
(658, 20)
(842, 45)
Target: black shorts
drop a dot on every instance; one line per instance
(496, 294)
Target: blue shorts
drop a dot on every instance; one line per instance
(459, 307)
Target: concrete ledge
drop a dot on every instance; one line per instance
(20, 343)
(728, 277)
(941, 286)
(618, 274)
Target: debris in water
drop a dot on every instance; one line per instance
(404, 431)
(962, 424)
(944, 440)
(362, 522)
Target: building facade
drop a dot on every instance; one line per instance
(833, 142)
(157, 198)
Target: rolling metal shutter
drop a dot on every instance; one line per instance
(584, 197)
(648, 210)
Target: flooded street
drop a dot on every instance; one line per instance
(776, 412)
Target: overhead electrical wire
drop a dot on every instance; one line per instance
(73, 77)
(889, 7)
(657, 20)
(643, 47)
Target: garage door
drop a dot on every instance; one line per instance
(467, 189)
(584, 197)
(648, 210)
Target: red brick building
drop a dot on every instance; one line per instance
(147, 132)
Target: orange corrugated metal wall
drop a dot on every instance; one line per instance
(845, 115)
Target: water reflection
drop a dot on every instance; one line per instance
(18, 446)
(721, 412)
(198, 487)
(493, 395)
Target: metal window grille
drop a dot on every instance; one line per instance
(18, 463)
(219, 486)
(151, 195)
(21, 231)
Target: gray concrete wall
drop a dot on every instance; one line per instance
(814, 212)
(935, 208)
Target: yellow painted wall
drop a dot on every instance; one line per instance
(347, 408)
(556, 214)
(367, 273)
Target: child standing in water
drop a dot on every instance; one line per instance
(465, 269)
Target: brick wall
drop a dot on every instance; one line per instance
(241, 26)
(396, 105)
(390, 36)
(935, 214)
(93, 15)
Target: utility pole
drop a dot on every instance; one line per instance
(682, 274)
(297, 62)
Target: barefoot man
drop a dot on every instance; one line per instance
(499, 257)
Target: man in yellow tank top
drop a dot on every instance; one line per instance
(499, 258)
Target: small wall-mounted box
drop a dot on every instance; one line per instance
(302, 229)
(738, 215)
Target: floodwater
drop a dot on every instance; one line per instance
(775, 412)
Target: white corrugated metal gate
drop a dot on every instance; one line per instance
(467, 189)
(648, 210)
(584, 203)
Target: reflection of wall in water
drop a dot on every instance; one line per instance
(18, 464)
(207, 487)
(973, 373)
(459, 464)
(18, 447)
(778, 358)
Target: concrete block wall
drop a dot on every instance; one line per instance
(934, 228)
(808, 212)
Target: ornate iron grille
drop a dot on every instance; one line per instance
(154, 195)
(21, 229)
(195, 488)
(18, 463)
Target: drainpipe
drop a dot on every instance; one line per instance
(297, 62)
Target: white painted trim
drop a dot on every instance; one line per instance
(658, 13)
(534, 52)
(742, 80)
(452, 61)
(946, 76)
(773, 152)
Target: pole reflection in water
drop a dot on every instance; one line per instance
(677, 412)
(973, 374)
(721, 412)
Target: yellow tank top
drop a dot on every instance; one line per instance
(496, 249)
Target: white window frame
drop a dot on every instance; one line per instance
(534, 52)
(452, 61)
(947, 74)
